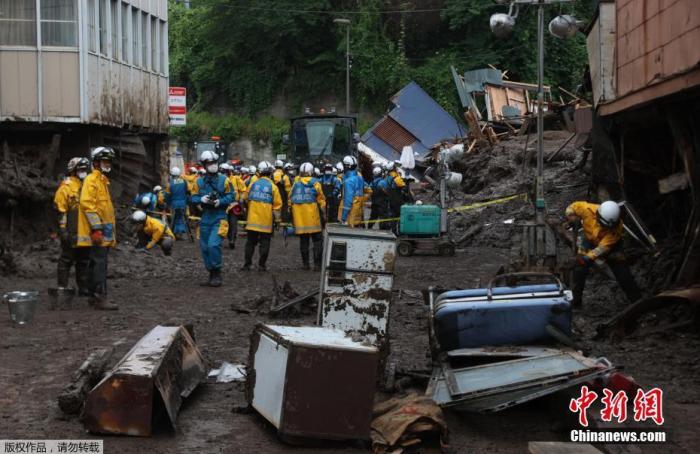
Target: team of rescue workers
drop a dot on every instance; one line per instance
(220, 196)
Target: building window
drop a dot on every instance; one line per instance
(154, 44)
(59, 23)
(103, 7)
(114, 30)
(144, 40)
(17, 23)
(92, 42)
(163, 48)
(135, 36)
(125, 32)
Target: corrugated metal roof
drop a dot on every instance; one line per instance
(418, 114)
(423, 117)
(395, 135)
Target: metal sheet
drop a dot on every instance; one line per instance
(164, 363)
(491, 378)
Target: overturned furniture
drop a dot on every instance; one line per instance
(356, 283)
(147, 386)
(312, 382)
(495, 347)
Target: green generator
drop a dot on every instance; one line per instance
(420, 220)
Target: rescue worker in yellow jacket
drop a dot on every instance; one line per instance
(284, 184)
(67, 204)
(235, 210)
(191, 179)
(151, 233)
(308, 207)
(264, 204)
(97, 225)
(601, 237)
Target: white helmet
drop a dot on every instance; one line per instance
(350, 162)
(175, 171)
(208, 156)
(279, 164)
(145, 201)
(377, 171)
(288, 166)
(252, 170)
(608, 214)
(340, 167)
(306, 169)
(224, 167)
(397, 163)
(376, 164)
(157, 188)
(335, 171)
(265, 168)
(244, 169)
(317, 171)
(138, 216)
(389, 166)
(193, 170)
(201, 171)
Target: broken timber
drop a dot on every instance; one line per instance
(147, 385)
(71, 399)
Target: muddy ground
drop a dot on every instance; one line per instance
(38, 360)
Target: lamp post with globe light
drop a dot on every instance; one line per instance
(562, 27)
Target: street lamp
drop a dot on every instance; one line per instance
(346, 22)
(561, 27)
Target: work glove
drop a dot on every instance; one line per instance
(579, 260)
(97, 237)
(206, 199)
(217, 202)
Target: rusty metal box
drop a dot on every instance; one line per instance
(312, 382)
(356, 282)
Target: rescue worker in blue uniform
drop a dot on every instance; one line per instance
(176, 198)
(331, 191)
(380, 197)
(145, 201)
(213, 193)
(353, 194)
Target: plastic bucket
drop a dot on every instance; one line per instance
(22, 306)
(61, 298)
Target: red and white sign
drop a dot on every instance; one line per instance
(177, 106)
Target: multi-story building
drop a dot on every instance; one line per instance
(80, 73)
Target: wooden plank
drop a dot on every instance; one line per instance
(558, 447)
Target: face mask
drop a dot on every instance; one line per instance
(106, 168)
(328, 172)
(213, 168)
(82, 175)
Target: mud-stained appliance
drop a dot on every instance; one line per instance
(312, 382)
(356, 282)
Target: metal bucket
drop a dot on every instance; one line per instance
(22, 306)
(61, 298)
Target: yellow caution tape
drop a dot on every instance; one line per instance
(472, 206)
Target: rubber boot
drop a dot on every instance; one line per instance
(100, 303)
(215, 279)
(207, 283)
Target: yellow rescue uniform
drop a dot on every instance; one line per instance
(398, 180)
(156, 230)
(263, 198)
(191, 180)
(67, 199)
(238, 186)
(601, 240)
(305, 199)
(96, 211)
(278, 176)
